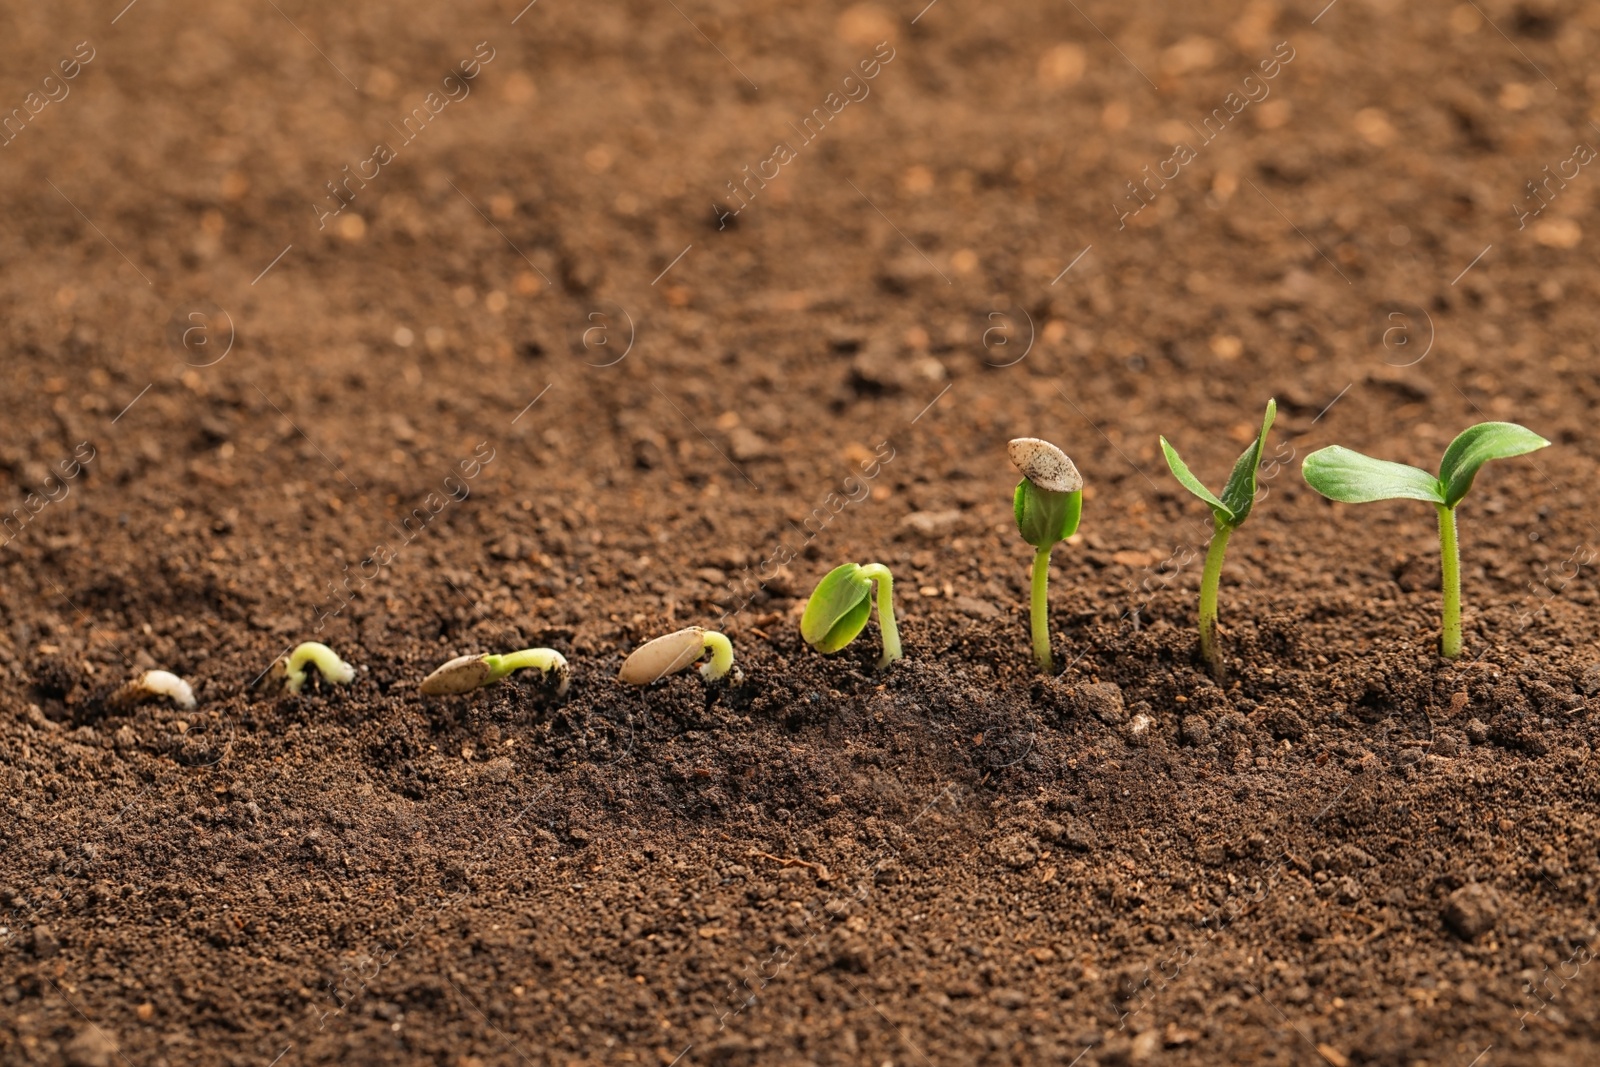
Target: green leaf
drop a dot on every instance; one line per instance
(1477, 445)
(1074, 515)
(1340, 474)
(838, 609)
(1239, 495)
(1045, 517)
(1180, 470)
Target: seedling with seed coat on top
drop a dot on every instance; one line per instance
(466, 673)
(1227, 515)
(1047, 504)
(1352, 478)
(841, 605)
(671, 653)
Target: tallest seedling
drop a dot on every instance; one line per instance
(1227, 515)
(1340, 474)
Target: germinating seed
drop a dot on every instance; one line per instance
(466, 673)
(153, 685)
(461, 675)
(673, 652)
(333, 669)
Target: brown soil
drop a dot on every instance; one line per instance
(1353, 853)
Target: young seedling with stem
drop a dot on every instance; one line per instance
(1227, 514)
(1352, 478)
(841, 605)
(292, 668)
(1048, 504)
(673, 652)
(466, 673)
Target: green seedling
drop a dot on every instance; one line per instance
(466, 673)
(841, 605)
(1048, 504)
(1352, 478)
(671, 653)
(292, 668)
(1227, 515)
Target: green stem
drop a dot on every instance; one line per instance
(877, 572)
(1450, 573)
(1040, 615)
(1210, 578)
(543, 659)
(721, 662)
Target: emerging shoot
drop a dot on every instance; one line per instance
(839, 608)
(1352, 478)
(466, 673)
(671, 653)
(1048, 504)
(1227, 515)
(153, 685)
(292, 668)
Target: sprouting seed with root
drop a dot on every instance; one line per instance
(292, 668)
(466, 673)
(669, 654)
(153, 685)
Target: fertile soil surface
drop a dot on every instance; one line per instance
(647, 317)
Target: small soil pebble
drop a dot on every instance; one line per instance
(45, 944)
(974, 608)
(1017, 850)
(90, 1047)
(1104, 701)
(1286, 723)
(1195, 731)
(1472, 911)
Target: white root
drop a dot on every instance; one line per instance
(153, 685)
